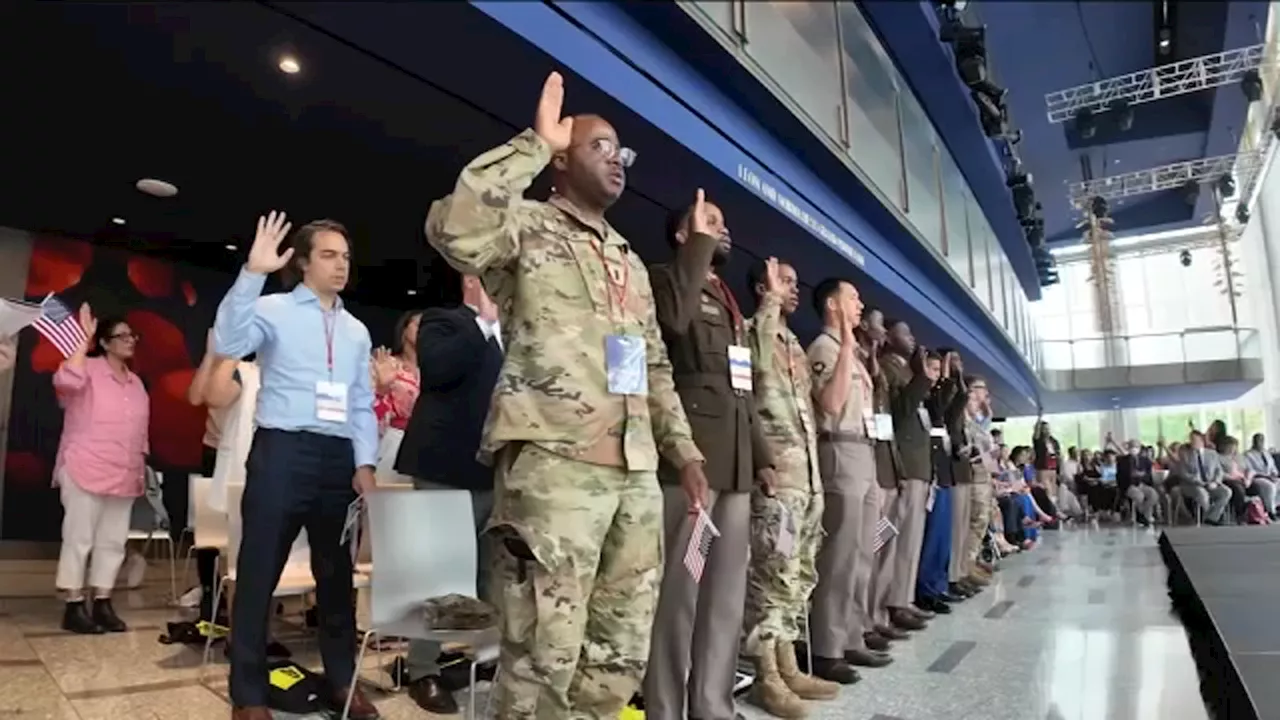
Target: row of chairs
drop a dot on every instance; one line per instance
(423, 546)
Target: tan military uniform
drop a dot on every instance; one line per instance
(576, 501)
(780, 580)
(846, 454)
(906, 505)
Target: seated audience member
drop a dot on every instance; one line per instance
(1068, 502)
(1258, 461)
(1243, 480)
(1104, 493)
(1022, 518)
(1133, 474)
(1200, 472)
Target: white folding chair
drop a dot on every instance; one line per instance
(424, 546)
(208, 526)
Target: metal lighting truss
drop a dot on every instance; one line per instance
(1178, 78)
(1167, 177)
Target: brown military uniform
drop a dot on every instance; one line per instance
(700, 320)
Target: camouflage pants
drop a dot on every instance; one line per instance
(577, 569)
(979, 521)
(778, 584)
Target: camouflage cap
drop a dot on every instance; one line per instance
(458, 612)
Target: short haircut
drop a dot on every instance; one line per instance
(101, 336)
(934, 355)
(676, 220)
(825, 289)
(969, 380)
(756, 273)
(888, 324)
(303, 242)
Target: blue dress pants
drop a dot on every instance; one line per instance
(293, 480)
(935, 555)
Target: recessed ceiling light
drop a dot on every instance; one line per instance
(412, 292)
(231, 247)
(118, 220)
(289, 65)
(156, 188)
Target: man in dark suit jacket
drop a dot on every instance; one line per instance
(696, 630)
(459, 358)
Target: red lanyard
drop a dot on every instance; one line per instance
(732, 303)
(330, 325)
(617, 292)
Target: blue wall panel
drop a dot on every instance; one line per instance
(754, 158)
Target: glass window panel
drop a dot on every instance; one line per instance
(953, 192)
(1202, 280)
(871, 98)
(981, 260)
(958, 240)
(796, 45)
(924, 208)
(719, 13)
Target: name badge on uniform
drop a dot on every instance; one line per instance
(786, 544)
(626, 365)
(933, 496)
(884, 426)
(940, 433)
(331, 401)
(739, 368)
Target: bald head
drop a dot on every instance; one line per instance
(591, 171)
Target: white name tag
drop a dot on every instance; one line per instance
(739, 368)
(331, 401)
(938, 432)
(884, 426)
(925, 420)
(933, 496)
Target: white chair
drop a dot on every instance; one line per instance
(424, 546)
(208, 526)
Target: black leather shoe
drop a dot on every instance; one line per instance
(891, 633)
(961, 590)
(431, 695)
(949, 597)
(875, 641)
(836, 670)
(905, 620)
(933, 605)
(867, 658)
(76, 619)
(105, 616)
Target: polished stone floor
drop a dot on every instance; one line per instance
(1078, 630)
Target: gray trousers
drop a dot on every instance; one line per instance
(693, 652)
(1212, 501)
(1144, 499)
(842, 599)
(424, 654)
(905, 508)
(961, 502)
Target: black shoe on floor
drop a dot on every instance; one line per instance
(836, 670)
(76, 619)
(933, 604)
(105, 616)
(949, 597)
(431, 695)
(876, 641)
(867, 658)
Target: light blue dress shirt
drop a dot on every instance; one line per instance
(287, 331)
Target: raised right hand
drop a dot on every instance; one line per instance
(555, 131)
(89, 324)
(265, 256)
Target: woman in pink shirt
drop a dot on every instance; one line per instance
(396, 388)
(100, 468)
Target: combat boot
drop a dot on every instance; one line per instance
(806, 687)
(769, 692)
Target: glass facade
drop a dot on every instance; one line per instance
(824, 59)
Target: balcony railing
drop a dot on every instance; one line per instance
(1194, 355)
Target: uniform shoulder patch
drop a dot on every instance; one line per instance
(819, 366)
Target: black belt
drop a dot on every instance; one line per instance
(846, 437)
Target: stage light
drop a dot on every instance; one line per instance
(1122, 111)
(1190, 192)
(410, 292)
(117, 220)
(289, 65)
(1165, 44)
(1251, 84)
(1085, 124)
(1226, 186)
(230, 247)
(1184, 257)
(1242, 214)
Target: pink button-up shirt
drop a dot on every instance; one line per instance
(104, 432)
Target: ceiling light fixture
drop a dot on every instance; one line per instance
(411, 292)
(118, 220)
(156, 188)
(289, 65)
(231, 247)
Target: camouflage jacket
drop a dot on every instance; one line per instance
(562, 285)
(783, 390)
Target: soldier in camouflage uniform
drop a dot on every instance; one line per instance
(786, 526)
(583, 407)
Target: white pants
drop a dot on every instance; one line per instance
(94, 529)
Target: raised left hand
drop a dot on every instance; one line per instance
(364, 482)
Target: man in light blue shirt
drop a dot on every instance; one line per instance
(313, 449)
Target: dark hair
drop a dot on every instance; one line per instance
(826, 289)
(106, 328)
(756, 273)
(934, 355)
(676, 219)
(969, 380)
(1108, 453)
(302, 242)
(888, 324)
(397, 340)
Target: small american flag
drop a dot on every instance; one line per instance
(885, 531)
(59, 326)
(695, 556)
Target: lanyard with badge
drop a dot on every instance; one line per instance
(626, 360)
(739, 354)
(331, 396)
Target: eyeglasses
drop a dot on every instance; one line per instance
(610, 150)
(126, 336)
